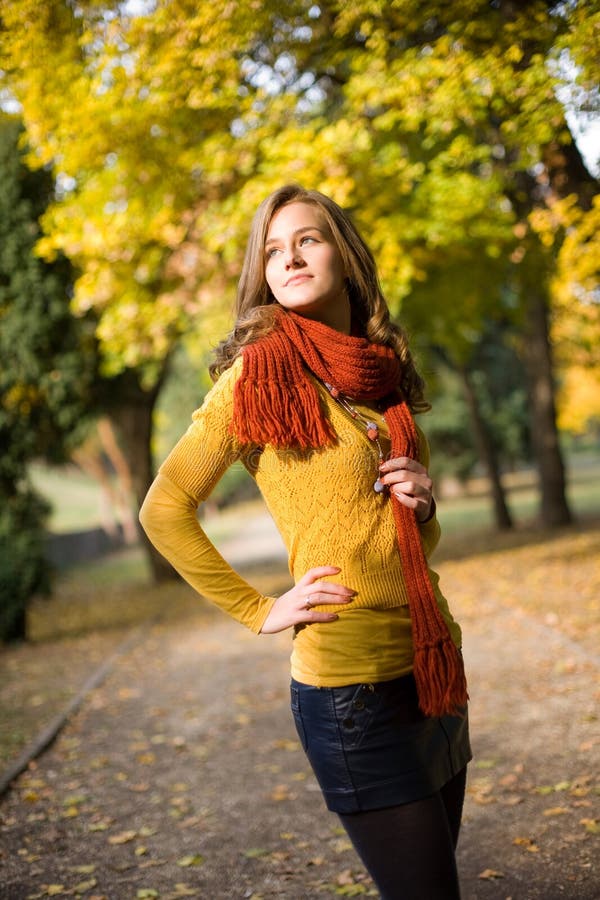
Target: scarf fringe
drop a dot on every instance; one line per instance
(438, 664)
(276, 403)
(440, 678)
(282, 414)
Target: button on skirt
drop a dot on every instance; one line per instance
(370, 746)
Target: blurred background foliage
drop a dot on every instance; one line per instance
(449, 131)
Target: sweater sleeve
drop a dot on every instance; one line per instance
(187, 478)
(430, 529)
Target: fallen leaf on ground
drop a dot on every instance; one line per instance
(255, 853)
(527, 843)
(146, 759)
(490, 874)
(84, 886)
(195, 860)
(351, 890)
(285, 744)
(282, 792)
(123, 838)
(511, 800)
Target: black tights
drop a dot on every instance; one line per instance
(409, 849)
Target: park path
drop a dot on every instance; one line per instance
(181, 774)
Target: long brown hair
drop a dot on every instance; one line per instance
(255, 304)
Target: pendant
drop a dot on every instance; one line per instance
(372, 431)
(371, 428)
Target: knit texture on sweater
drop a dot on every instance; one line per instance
(287, 414)
(325, 510)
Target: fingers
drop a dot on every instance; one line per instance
(312, 592)
(403, 463)
(408, 473)
(409, 482)
(296, 606)
(318, 572)
(320, 593)
(307, 614)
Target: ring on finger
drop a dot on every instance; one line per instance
(308, 602)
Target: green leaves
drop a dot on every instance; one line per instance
(48, 364)
(178, 121)
(439, 126)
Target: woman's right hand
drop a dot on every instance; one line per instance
(295, 606)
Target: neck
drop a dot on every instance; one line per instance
(338, 317)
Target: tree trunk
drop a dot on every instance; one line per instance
(17, 630)
(487, 454)
(537, 360)
(133, 417)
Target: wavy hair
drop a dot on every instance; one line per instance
(255, 303)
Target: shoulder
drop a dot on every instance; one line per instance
(232, 373)
(222, 390)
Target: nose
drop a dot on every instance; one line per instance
(293, 258)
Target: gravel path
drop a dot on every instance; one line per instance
(181, 774)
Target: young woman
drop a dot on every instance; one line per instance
(315, 392)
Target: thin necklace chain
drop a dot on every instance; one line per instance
(371, 428)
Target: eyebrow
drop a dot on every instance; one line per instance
(275, 240)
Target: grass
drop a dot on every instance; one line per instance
(96, 604)
(553, 575)
(472, 509)
(114, 591)
(75, 498)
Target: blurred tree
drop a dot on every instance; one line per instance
(184, 389)
(137, 115)
(573, 235)
(437, 124)
(46, 378)
(442, 127)
(448, 429)
(495, 420)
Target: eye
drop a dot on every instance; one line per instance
(271, 252)
(308, 237)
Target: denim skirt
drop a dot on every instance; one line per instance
(370, 746)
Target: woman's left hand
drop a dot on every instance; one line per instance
(410, 484)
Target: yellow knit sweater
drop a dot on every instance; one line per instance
(327, 512)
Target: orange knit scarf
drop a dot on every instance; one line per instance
(275, 402)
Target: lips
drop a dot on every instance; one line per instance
(297, 279)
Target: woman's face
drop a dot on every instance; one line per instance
(304, 268)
